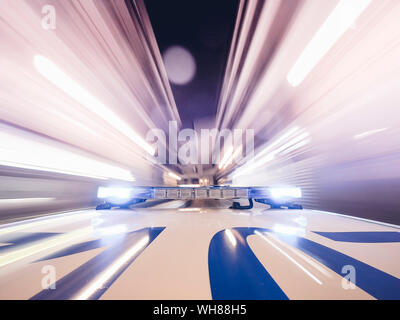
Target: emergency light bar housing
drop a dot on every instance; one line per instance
(274, 196)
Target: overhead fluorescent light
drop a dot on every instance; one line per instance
(339, 21)
(54, 74)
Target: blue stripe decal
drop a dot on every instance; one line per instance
(362, 237)
(17, 239)
(377, 283)
(76, 281)
(236, 273)
(88, 245)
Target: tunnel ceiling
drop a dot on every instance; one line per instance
(204, 28)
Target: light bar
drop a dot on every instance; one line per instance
(120, 193)
(279, 193)
(214, 192)
(125, 193)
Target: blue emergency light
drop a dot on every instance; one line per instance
(276, 197)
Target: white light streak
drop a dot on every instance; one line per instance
(24, 201)
(13, 255)
(231, 237)
(271, 151)
(55, 75)
(54, 220)
(229, 157)
(225, 158)
(368, 133)
(339, 21)
(326, 272)
(74, 122)
(24, 153)
(289, 257)
(175, 176)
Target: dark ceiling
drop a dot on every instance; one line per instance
(205, 28)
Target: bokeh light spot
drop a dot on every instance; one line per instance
(180, 65)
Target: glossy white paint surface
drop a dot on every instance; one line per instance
(175, 264)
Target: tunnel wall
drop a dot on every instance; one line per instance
(27, 196)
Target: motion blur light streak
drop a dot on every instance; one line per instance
(230, 157)
(227, 156)
(269, 153)
(296, 146)
(175, 176)
(15, 254)
(321, 268)
(26, 203)
(54, 74)
(24, 200)
(59, 219)
(20, 152)
(289, 257)
(328, 144)
(339, 21)
(369, 133)
(74, 122)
